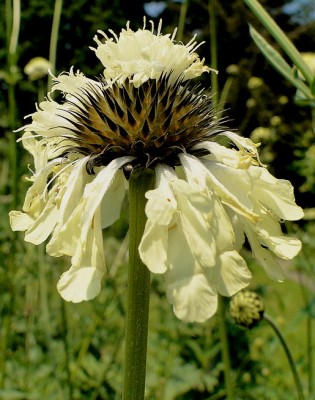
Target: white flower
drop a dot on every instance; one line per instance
(207, 198)
(37, 68)
(142, 55)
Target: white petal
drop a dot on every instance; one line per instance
(65, 240)
(193, 299)
(81, 284)
(230, 274)
(269, 233)
(160, 207)
(153, 247)
(284, 246)
(76, 181)
(196, 213)
(20, 221)
(276, 195)
(43, 225)
(83, 280)
(112, 200)
(201, 172)
(223, 155)
(94, 192)
(161, 203)
(243, 143)
(264, 257)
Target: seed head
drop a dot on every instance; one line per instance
(247, 309)
(153, 122)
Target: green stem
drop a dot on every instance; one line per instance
(13, 19)
(225, 350)
(182, 19)
(213, 51)
(289, 356)
(302, 268)
(54, 40)
(136, 334)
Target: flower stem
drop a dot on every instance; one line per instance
(182, 20)
(213, 50)
(141, 180)
(225, 350)
(54, 40)
(289, 356)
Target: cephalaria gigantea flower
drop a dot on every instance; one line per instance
(145, 112)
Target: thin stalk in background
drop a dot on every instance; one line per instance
(43, 294)
(213, 51)
(182, 19)
(13, 21)
(289, 356)
(225, 350)
(306, 267)
(138, 296)
(66, 347)
(54, 40)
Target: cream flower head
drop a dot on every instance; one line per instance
(37, 68)
(146, 113)
(144, 55)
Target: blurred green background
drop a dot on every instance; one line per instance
(53, 350)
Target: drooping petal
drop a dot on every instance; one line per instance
(83, 280)
(230, 274)
(43, 225)
(112, 200)
(95, 192)
(223, 155)
(81, 219)
(276, 195)
(20, 221)
(269, 232)
(161, 203)
(272, 268)
(193, 298)
(202, 173)
(160, 209)
(196, 211)
(153, 247)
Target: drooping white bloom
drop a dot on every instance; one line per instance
(207, 199)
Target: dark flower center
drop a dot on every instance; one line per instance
(153, 123)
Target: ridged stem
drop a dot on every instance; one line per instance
(136, 333)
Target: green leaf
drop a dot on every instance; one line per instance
(278, 62)
(285, 43)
